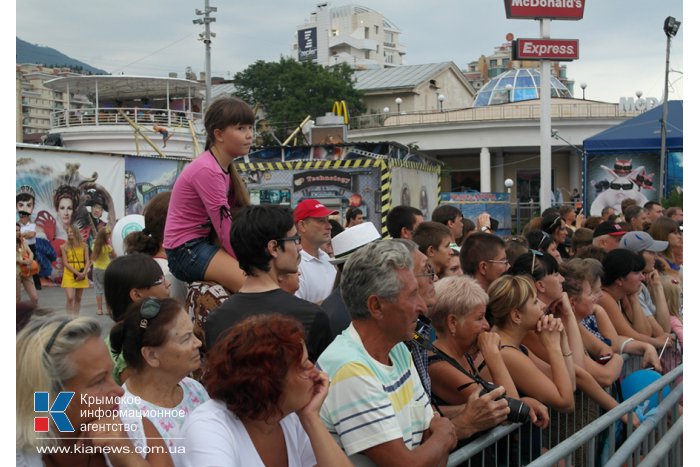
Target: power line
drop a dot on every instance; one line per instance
(155, 52)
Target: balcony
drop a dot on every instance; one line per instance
(491, 113)
(140, 116)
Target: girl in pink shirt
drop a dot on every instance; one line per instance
(203, 197)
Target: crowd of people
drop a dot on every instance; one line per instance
(370, 351)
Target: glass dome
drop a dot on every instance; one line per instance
(526, 86)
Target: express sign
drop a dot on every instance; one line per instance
(545, 49)
(553, 9)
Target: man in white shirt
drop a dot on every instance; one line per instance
(317, 273)
(25, 208)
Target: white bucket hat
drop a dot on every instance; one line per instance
(352, 238)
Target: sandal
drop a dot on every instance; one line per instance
(100, 313)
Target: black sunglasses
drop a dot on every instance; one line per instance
(295, 238)
(149, 310)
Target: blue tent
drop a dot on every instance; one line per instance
(641, 134)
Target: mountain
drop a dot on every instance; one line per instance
(31, 53)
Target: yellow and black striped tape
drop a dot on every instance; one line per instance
(308, 165)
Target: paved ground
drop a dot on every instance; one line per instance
(55, 298)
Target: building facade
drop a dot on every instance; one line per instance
(431, 87)
(36, 103)
(352, 34)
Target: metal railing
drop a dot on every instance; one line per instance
(530, 111)
(572, 437)
(111, 116)
(634, 444)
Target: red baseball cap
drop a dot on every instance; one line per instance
(311, 208)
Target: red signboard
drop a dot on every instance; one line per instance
(536, 9)
(545, 49)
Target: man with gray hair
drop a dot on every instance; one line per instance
(638, 217)
(376, 406)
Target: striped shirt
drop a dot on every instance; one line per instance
(370, 403)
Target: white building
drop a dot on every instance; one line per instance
(35, 102)
(352, 34)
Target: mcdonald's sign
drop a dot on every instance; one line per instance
(341, 109)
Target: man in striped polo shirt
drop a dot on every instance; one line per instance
(376, 407)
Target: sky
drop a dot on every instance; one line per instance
(622, 43)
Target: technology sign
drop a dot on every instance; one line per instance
(536, 9)
(545, 49)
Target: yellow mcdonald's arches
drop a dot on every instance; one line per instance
(341, 110)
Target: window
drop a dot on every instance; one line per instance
(366, 33)
(465, 180)
(376, 30)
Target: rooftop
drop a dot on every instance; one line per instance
(525, 84)
(403, 77)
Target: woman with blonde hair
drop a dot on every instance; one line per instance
(516, 311)
(667, 230)
(58, 355)
(459, 318)
(102, 254)
(76, 263)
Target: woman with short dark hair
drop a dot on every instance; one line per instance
(160, 348)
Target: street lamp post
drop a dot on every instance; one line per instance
(398, 101)
(508, 182)
(583, 88)
(509, 88)
(670, 28)
(441, 100)
(206, 37)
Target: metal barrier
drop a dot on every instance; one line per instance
(570, 436)
(587, 435)
(633, 445)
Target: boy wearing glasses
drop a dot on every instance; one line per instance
(483, 256)
(267, 245)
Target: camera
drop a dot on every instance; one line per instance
(519, 411)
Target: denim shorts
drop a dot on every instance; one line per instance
(189, 261)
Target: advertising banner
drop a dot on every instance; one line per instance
(414, 188)
(614, 177)
(537, 9)
(308, 46)
(146, 177)
(78, 190)
(545, 49)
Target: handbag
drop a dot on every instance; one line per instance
(29, 270)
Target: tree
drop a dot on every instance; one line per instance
(287, 91)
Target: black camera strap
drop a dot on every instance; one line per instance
(427, 345)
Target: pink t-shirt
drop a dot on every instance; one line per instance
(200, 194)
(677, 327)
